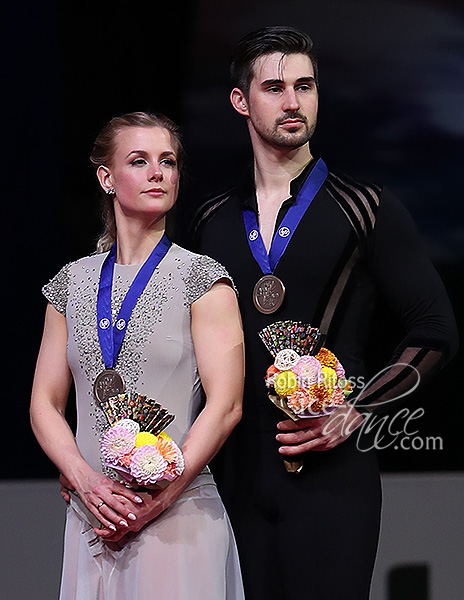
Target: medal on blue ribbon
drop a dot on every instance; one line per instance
(269, 291)
(109, 382)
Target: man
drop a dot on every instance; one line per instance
(313, 533)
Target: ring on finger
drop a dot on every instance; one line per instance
(100, 504)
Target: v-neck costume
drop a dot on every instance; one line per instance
(332, 509)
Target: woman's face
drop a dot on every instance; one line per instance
(144, 172)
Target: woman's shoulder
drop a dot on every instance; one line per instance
(200, 272)
(91, 262)
(199, 263)
(57, 289)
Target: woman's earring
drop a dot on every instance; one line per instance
(110, 191)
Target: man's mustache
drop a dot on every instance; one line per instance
(291, 115)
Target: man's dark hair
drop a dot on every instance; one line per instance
(279, 38)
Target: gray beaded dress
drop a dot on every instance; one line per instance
(188, 552)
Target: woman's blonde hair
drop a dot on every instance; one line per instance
(103, 153)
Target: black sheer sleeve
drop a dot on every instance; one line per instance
(410, 284)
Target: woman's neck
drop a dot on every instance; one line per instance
(136, 241)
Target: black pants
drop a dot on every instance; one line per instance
(302, 536)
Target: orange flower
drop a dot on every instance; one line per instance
(272, 371)
(319, 391)
(327, 358)
(166, 449)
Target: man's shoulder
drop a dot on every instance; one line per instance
(208, 208)
(358, 199)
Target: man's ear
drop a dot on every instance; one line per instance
(239, 102)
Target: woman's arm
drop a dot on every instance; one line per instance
(50, 391)
(218, 341)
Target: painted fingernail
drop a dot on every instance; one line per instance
(112, 527)
(138, 499)
(123, 523)
(132, 516)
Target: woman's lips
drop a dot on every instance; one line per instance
(155, 191)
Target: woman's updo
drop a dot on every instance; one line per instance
(103, 153)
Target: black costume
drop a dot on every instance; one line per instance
(314, 535)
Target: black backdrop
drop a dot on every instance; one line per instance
(392, 98)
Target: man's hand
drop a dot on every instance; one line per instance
(319, 433)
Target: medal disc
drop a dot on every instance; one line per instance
(108, 383)
(268, 294)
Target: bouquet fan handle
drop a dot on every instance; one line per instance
(292, 466)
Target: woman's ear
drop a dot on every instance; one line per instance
(105, 179)
(239, 102)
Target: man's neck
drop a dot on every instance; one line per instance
(275, 168)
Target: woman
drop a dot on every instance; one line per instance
(183, 334)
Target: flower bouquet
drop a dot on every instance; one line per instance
(135, 445)
(302, 384)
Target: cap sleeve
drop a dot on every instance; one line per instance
(203, 272)
(57, 290)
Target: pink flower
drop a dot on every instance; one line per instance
(338, 397)
(339, 369)
(148, 466)
(299, 401)
(308, 371)
(116, 442)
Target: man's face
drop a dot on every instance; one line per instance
(283, 100)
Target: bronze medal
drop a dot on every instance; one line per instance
(107, 384)
(268, 294)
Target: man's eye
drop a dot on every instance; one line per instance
(306, 87)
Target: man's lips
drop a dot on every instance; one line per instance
(291, 122)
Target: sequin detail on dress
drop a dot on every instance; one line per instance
(57, 289)
(202, 273)
(73, 291)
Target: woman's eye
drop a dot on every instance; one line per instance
(138, 162)
(170, 162)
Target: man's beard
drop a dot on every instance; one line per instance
(280, 138)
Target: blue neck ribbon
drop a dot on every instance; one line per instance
(111, 336)
(268, 262)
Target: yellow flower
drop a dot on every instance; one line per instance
(330, 377)
(144, 437)
(285, 383)
(165, 436)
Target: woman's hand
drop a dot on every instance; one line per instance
(52, 380)
(320, 433)
(112, 503)
(218, 340)
(154, 503)
(66, 488)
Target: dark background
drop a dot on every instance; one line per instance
(391, 110)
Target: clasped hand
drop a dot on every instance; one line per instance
(319, 433)
(119, 509)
